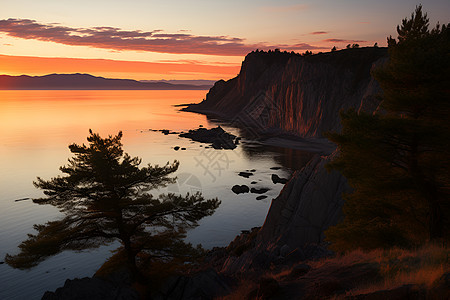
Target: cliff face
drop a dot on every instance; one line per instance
(302, 96)
(308, 204)
(299, 95)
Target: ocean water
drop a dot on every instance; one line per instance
(36, 128)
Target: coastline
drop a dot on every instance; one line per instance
(270, 137)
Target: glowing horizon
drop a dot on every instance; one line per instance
(195, 39)
(137, 70)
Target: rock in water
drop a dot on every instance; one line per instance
(217, 137)
(277, 179)
(245, 174)
(239, 189)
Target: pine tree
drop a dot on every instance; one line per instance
(105, 197)
(397, 160)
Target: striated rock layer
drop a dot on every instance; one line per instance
(308, 204)
(299, 95)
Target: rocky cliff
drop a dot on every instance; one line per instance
(309, 203)
(299, 95)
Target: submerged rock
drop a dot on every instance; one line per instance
(259, 191)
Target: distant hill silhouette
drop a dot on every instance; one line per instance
(203, 82)
(86, 82)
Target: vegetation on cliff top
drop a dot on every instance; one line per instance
(397, 160)
(377, 274)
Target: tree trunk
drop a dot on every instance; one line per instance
(435, 217)
(429, 191)
(130, 253)
(136, 274)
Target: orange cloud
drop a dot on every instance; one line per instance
(18, 65)
(136, 40)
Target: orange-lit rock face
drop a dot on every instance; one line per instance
(301, 95)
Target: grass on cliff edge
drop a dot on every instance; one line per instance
(394, 268)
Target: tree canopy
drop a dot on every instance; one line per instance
(104, 196)
(397, 159)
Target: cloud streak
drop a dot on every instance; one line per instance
(319, 32)
(113, 38)
(343, 41)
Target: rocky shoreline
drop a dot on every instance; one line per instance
(280, 258)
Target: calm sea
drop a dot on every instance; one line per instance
(36, 128)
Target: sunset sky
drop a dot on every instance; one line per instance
(201, 39)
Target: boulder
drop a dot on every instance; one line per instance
(245, 174)
(277, 179)
(217, 137)
(239, 189)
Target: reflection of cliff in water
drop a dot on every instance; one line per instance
(289, 158)
(293, 159)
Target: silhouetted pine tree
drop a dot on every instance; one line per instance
(398, 160)
(104, 195)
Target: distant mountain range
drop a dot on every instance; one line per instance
(203, 82)
(89, 82)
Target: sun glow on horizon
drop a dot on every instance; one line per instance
(138, 70)
(184, 39)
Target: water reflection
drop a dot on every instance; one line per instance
(36, 128)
